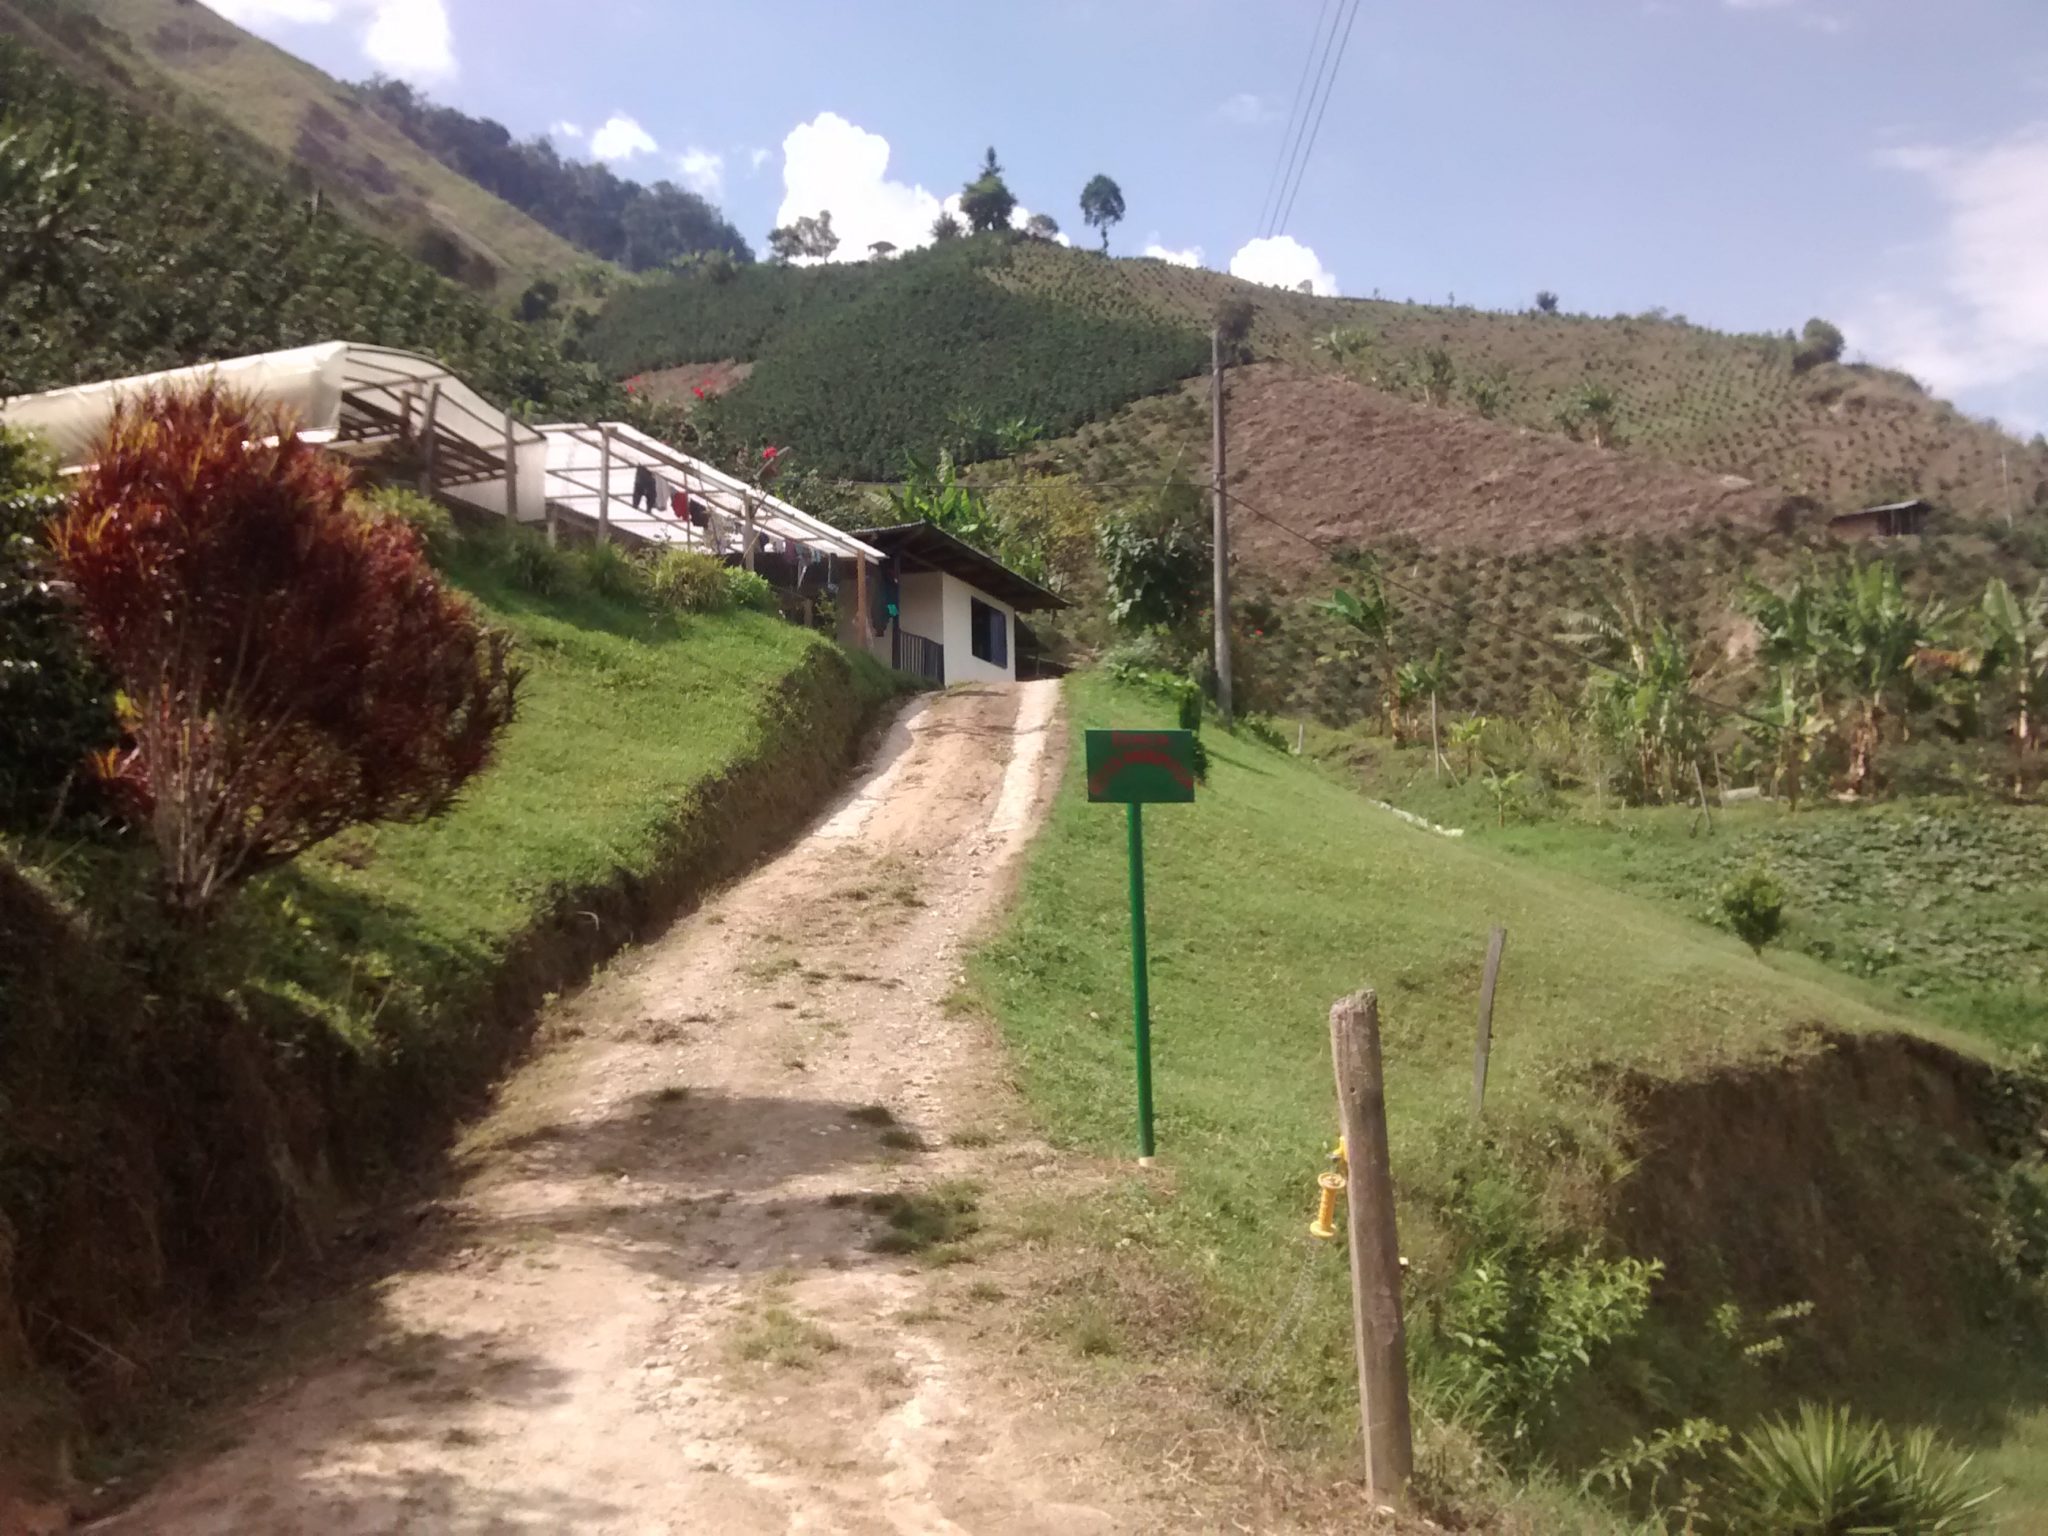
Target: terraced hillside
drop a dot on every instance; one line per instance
(175, 57)
(162, 251)
(1845, 435)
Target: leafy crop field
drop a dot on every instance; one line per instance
(202, 259)
(167, 59)
(1279, 890)
(858, 366)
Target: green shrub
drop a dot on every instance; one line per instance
(1152, 651)
(1753, 903)
(1264, 729)
(53, 697)
(749, 589)
(1828, 1473)
(425, 516)
(531, 562)
(689, 581)
(610, 572)
(1517, 1329)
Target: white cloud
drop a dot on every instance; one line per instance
(703, 172)
(756, 158)
(1191, 257)
(1248, 109)
(1281, 261)
(1978, 320)
(621, 138)
(566, 131)
(411, 38)
(830, 163)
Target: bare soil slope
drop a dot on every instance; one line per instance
(657, 1304)
(1347, 465)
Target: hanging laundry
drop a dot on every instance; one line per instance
(644, 489)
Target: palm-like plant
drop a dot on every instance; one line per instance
(1640, 694)
(1370, 613)
(1871, 631)
(2016, 651)
(1828, 1473)
(1596, 407)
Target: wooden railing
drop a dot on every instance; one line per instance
(920, 657)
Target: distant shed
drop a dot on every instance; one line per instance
(1893, 520)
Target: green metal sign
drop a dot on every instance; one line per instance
(1141, 767)
(1132, 769)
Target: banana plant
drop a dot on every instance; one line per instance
(1872, 631)
(2016, 651)
(1369, 613)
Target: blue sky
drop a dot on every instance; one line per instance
(1746, 163)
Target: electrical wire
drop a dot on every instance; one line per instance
(1308, 149)
(1297, 117)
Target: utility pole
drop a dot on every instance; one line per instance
(1220, 537)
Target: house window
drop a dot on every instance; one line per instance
(990, 632)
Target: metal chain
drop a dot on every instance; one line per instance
(1252, 1378)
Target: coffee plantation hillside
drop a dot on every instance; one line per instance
(136, 244)
(186, 63)
(1766, 407)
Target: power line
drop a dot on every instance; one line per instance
(1336, 63)
(1297, 118)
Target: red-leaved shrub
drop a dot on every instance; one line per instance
(289, 665)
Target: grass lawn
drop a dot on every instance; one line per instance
(1939, 905)
(1279, 890)
(624, 718)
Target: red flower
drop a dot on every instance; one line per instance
(697, 390)
(771, 452)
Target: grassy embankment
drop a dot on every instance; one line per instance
(1282, 889)
(1935, 904)
(183, 1114)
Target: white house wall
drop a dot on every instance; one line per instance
(921, 609)
(962, 665)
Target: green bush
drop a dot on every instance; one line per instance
(749, 589)
(1517, 1329)
(427, 517)
(53, 696)
(610, 572)
(1753, 903)
(1264, 729)
(689, 581)
(1828, 1473)
(531, 562)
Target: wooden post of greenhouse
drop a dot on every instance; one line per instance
(604, 485)
(1378, 1330)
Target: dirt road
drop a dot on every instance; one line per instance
(657, 1304)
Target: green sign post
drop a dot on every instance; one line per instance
(1132, 768)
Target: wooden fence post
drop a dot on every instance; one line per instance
(1379, 1333)
(1494, 947)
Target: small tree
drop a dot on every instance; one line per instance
(1754, 905)
(1438, 377)
(1369, 613)
(1596, 408)
(1102, 205)
(882, 250)
(987, 201)
(289, 666)
(945, 227)
(1546, 302)
(810, 237)
(1821, 342)
(1042, 226)
(1157, 561)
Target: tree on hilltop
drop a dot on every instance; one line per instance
(945, 227)
(1042, 226)
(810, 237)
(1546, 302)
(1102, 205)
(987, 200)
